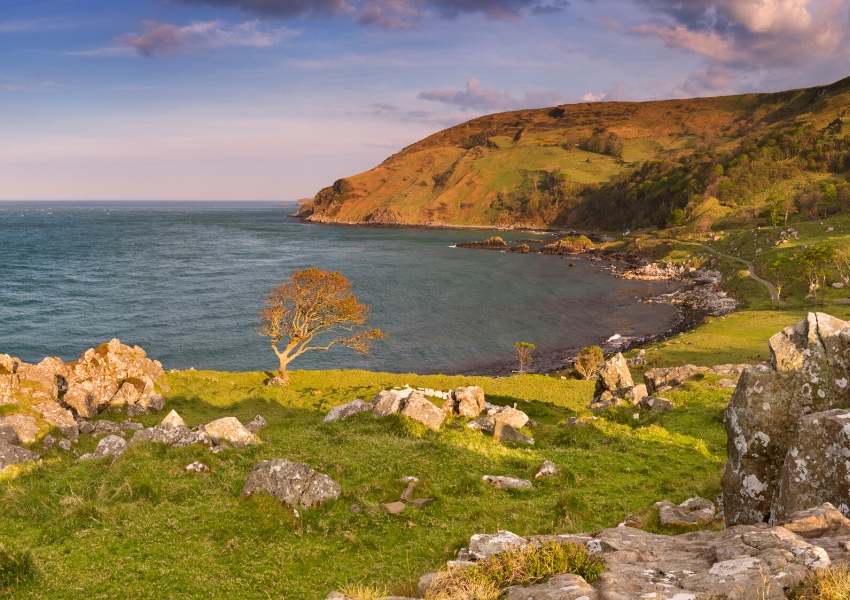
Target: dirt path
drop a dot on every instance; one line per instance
(774, 295)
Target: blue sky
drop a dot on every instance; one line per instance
(273, 99)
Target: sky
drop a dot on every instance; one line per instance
(275, 99)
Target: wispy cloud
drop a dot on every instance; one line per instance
(480, 98)
(34, 25)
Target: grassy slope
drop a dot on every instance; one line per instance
(455, 176)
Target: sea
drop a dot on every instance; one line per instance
(186, 282)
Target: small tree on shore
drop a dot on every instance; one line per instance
(314, 310)
(588, 361)
(524, 354)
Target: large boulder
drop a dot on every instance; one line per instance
(615, 386)
(293, 483)
(420, 409)
(809, 372)
(467, 401)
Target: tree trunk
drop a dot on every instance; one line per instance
(282, 372)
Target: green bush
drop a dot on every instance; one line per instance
(16, 567)
(588, 361)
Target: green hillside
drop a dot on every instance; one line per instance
(614, 165)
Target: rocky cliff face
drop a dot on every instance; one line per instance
(786, 440)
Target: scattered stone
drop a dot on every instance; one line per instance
(25, 427)
(559, 587)
(664, 378)
(693, 511)
(293, 483)
(407, 494)
(504, 482)
(8, 435)
(256, 424)
(420, 409)
(65, 445)
(47, 442)
(773, 409)
(197, 467)
(656, 404)
(171, 436)
(344, 411)
(485, 545)
(485, 424)
(547, 469)
(506, 434)
(112, 446)
(467, 401)
(230, 430)
(11, 454)
(508, 415)
(394, 508)
(388, 402)
(172, 420)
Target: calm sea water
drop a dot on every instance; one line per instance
(185, 281)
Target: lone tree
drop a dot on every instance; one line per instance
(314, 310)
(524, 354)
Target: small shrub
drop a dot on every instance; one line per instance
(524, 354)
(16, 567)
(528, 565)
(588, 361)
(825, 584)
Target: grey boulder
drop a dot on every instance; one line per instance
(293, 483)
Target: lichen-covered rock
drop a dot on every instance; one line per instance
(809, 373)
(817, 465)
(693, 511)
(614, 376)
(344, 411)
(24, 426)
(505, 482)
(230, 430)
(112, 446)
(559, 587)
(293, 483)
(388, 402)
(420, 409)
(467, 401)
(11, 454)
(171, 436)
(485, 545)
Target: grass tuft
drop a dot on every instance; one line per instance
(363, 592)
(16, 567)
(826, 584)
(528, 565)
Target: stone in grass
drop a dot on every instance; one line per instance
(505, 482)
(506, 434)
(394, 508)
(656, 404)
(693, 511)
(345, 411)
(230, 430)
(197, 467)
(172, 420)
(293, 483)
(547, 469)
(14, 455)
(467, 401)
(485, 545)
(257, 423)
(388, 402)
(420, 409)
(112, 446)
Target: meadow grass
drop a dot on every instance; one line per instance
(143, 527)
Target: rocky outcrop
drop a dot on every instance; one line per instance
(293, 483)
(112, 375)
(467, 401)
(693, 511)
(615, 386)
(410, 403)
(740, 563)
(663, 378)
(775, 433)
(345, 411)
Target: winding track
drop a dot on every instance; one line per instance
(774, 295)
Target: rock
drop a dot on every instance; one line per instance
(816, 467)
(172, 420)
(394, 508)
(10, 454)
(809, 373)
(197, 467)
(656, 404)
(509, 416)
(47, 442)
(8, 435)
(693, 511)
(61, 418)
(387, 402)
(485, 424)
(344, 411)
(547, 469)
(504, 482)
(407, 494)
(467, 401)
(663, 378)
(485, 545)
(171, 436)
(25, 427)
(636, 394)
(64, 445)
(418, 408)
(614, 376)
(230, 430)
(506, 434)
(559, 587)
(256, 424)
(112, 446)
(293, 483)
